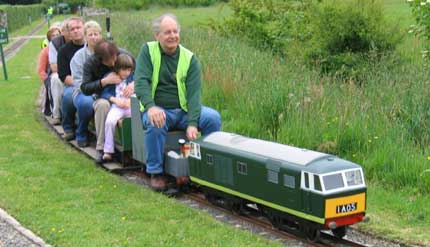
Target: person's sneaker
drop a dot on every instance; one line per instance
(82, 144)
(68, 136)
(107, 157)
(56, 121)
(99, 157)
(158, 182)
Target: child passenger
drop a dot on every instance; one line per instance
(120, 107)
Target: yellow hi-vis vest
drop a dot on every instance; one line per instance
(184, 62)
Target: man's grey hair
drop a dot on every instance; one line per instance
(157, 22)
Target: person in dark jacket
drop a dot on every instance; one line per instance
(94, 79)
(75, 26)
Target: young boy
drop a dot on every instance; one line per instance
(120, 107)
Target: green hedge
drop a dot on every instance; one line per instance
(21, 15)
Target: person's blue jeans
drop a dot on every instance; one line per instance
(68, 109)
(84, 107)
(155, 138)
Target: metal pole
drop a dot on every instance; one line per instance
(3, 62)
(109, 37)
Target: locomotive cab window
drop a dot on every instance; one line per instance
(242, 168)
(354, 177)
(311, 181)
(317, 183)
(333, 181)
(306, 180)
(343, 180)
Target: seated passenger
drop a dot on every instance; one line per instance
(45, 72)
(120, 104)
(94, 79)
(79, 101)
(75, 27)
(56, 87)
(168, 85)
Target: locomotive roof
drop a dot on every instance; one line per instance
(269, 149)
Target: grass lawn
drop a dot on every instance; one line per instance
(60, 195)
(400, 215)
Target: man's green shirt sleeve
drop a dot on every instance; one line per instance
(194, 87)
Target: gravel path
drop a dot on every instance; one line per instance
(13, 234)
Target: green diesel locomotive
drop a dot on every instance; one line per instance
(294, 187)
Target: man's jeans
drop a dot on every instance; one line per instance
(155, 138)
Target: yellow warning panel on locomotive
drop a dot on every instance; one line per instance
(337, 207)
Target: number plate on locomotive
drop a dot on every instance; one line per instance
(350, 207)
(345, 205)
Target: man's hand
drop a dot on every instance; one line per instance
(192, 132)
(111, 78)
(129, 90)
(156, 116)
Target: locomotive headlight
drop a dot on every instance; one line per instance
(353, 177)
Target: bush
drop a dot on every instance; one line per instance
(347, 35)
(267, 24)
(421, 12)
(20, 15)
(339, 37)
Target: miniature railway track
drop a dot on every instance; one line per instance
(265, 225)
(254, 219)
(13, 48)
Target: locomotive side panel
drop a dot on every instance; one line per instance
(249, 177)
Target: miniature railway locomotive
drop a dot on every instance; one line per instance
(294, 187)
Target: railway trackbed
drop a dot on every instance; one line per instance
(252, 221)
(14, 47)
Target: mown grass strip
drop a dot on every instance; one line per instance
(59, 194)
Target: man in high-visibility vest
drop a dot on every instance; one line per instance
(168, 85)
